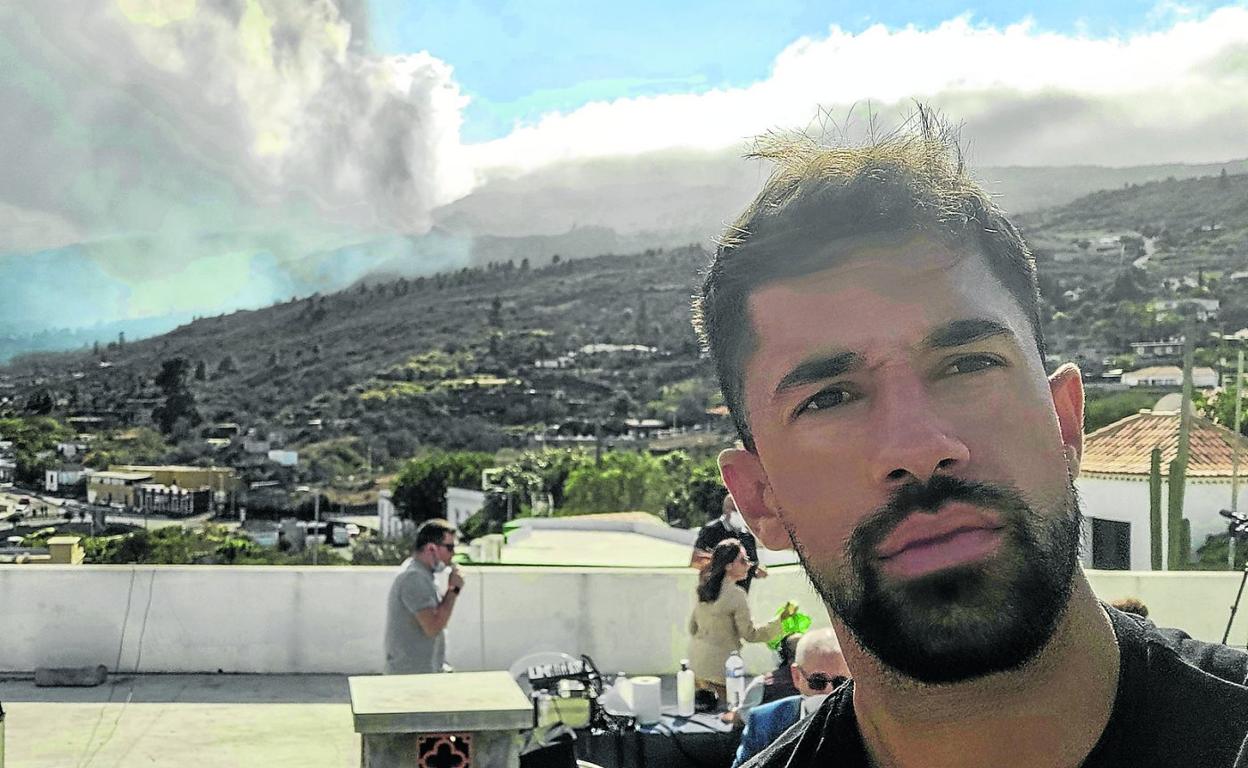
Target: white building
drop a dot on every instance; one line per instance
(1167, 348)
(58, 478)
(463, 503)
(1201, 309)
(1170, 376)
(1114, 490)
(284, 458)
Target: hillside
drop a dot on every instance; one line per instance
(1172, 227)
(446, 361)
(575, 209)
(387, 367)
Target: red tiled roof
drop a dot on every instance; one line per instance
(1125, 447)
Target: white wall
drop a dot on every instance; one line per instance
(276, 619)
(1127, 501)
(463, 503)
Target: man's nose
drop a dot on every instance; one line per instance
(913, 441)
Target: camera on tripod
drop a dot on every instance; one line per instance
(1238, 524)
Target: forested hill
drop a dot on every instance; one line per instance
(449, 360)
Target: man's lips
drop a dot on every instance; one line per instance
(956, 534)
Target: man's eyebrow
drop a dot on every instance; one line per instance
(962, 332)
(818, 369)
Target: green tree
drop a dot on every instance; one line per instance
(697, 494)
(41, 403)
(1220, 408)
(420, 488)
(179, 402)
(625, 481)
(141, 445)
(34, 441)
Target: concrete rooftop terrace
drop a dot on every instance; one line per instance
(207, 721)
(175, 721)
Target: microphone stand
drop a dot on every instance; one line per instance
(1238, 531)
(1235, 606)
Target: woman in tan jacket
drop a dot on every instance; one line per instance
(721, 618)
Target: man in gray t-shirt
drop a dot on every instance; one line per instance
(415, 616)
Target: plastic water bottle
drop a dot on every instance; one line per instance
(734, 679)
(684, 690)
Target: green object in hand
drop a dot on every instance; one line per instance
(797, 622)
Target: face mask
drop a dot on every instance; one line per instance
(811, 703)
(735, 521)
(439, 567)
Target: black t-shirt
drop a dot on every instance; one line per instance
(716, 531)
(1175, 707)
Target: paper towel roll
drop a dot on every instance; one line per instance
(647, 699)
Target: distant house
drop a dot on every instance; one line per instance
(61, 478)
(555, 363)
(8, 468)
(1153, 349)
(1107, 245)
(284, 458)
(71, 450)
(215, 478)
(115, 487)
(226, 430)
(1201, 309)
(172, 501)
(1170, 376)
(639, 350)
(643, 429)
(254, 445)
(1114, 489)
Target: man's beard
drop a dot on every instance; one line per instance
(964, 622)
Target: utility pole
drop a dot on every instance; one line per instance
(1238, 438)
(316, 520)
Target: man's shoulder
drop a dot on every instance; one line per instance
(413, 576)
(1170, 646)
(1223, 662)
(815, 739)
(711, 534)
(777, 708)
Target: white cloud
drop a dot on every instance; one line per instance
(1157, 96)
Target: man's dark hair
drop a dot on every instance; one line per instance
(432, 531)
(911, 181)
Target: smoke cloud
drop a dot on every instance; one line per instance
(246, 141)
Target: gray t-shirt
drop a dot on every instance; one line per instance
(409, 651)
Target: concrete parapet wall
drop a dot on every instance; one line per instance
(283, 620)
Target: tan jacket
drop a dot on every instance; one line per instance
(717, 629)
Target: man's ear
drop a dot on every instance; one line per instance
(746, 480)
(798, 681)
(1066, 386)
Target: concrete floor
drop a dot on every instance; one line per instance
(207, 721)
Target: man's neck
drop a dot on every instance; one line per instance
(1049, 714)
(424, 559)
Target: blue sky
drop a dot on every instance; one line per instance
(520, 60)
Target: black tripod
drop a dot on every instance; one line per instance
(1238, 533)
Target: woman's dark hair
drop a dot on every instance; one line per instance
(712, 580)
(788, 648)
